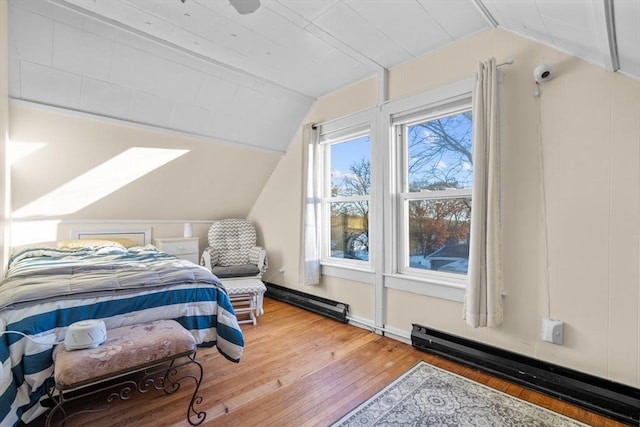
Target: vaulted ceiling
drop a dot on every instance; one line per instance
(201, 67)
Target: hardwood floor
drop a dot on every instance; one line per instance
(298, 369)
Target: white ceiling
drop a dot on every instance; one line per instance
(203, 68)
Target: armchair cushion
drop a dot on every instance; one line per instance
(232, 250)
(243, 270)
(232, 239)
(231, 257)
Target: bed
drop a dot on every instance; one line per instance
(120, 281)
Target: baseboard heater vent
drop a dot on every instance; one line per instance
(326, 307)
(605, 397)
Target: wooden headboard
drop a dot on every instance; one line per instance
(142, 235)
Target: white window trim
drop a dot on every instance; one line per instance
(403, 197)
(344, 128)
(440, 285)
(383, 262)
(349, 273)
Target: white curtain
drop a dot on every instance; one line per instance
(310, 233)
(483, 299)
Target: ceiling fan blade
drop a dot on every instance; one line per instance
(245, 6)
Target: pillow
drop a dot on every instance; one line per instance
(86, 243)
(33, 246)
(233, 257)
(126, 243)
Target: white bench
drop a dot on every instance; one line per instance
(156, 349)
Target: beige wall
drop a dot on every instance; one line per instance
(587, 122)
(5, 178)
(277, 210)
(210, 180)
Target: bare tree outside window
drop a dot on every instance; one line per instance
(440, 153)
(349, 205)
(439, 158)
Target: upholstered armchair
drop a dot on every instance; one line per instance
(232, 250)
(233, 256)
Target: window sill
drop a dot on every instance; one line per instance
(426, 286)
(349, 272)
(431, 287)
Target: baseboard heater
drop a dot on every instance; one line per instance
(326, 307)
(605, 397)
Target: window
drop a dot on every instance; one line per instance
(396, 193)
(346, 195)
(435, 180)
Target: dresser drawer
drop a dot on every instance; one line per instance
(180, 247)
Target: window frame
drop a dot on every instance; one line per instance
(436, 101)
(382, 271)
(335, 132)
(400, 128)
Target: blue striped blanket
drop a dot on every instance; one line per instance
(47, 289)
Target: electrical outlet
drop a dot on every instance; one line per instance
(553, 330)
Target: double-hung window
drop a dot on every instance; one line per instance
(396, 193)
(433, 191)
(346, 195)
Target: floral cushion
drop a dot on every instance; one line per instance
(126, 349)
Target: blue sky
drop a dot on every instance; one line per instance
(450, 163)
(345, 154)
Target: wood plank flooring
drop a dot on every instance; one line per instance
(298, 369)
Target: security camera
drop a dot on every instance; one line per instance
(542, 73)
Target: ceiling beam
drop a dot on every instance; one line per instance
(485, 13)
(383, 86)
(614, 59)
(312, 28)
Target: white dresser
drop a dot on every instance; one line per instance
(183, 247)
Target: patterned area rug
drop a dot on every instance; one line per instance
(430, 396)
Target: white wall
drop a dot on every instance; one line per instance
(587, 123)
(277, 210)
(88, 62)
